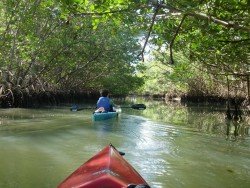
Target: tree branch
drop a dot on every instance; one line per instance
(149, 32)
(173, 39)
(227, 24)
(203, 16)
(235, 41)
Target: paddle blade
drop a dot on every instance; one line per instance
(139, 106)
(74, 108)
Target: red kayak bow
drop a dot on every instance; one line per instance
(107, 169)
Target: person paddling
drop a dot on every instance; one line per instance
(104, 103)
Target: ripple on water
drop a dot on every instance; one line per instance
(49, 147)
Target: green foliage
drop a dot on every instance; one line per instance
(47, 46)
(91, 44)
(212, 41)
(160, 77)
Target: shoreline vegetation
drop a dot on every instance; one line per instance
(55, 52)
(236, 109)
(53, 98)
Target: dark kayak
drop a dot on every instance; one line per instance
(107, 169)
(97, 116)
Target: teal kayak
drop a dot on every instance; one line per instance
(97, 116)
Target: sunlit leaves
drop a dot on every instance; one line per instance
(69, 45)
(89, 38)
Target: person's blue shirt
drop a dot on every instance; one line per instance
(105, 103)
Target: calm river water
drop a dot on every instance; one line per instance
(171, 146)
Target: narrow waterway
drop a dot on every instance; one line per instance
(171, 146)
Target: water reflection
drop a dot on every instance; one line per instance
(169, 145)
(206, 118)
(236, 130)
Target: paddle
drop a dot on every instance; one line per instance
(75, 108)
(136, 106)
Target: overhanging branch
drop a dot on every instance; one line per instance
(228, 24)
(173, 39)
(149, 32)
(200, 15)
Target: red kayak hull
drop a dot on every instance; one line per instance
(107, 169)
